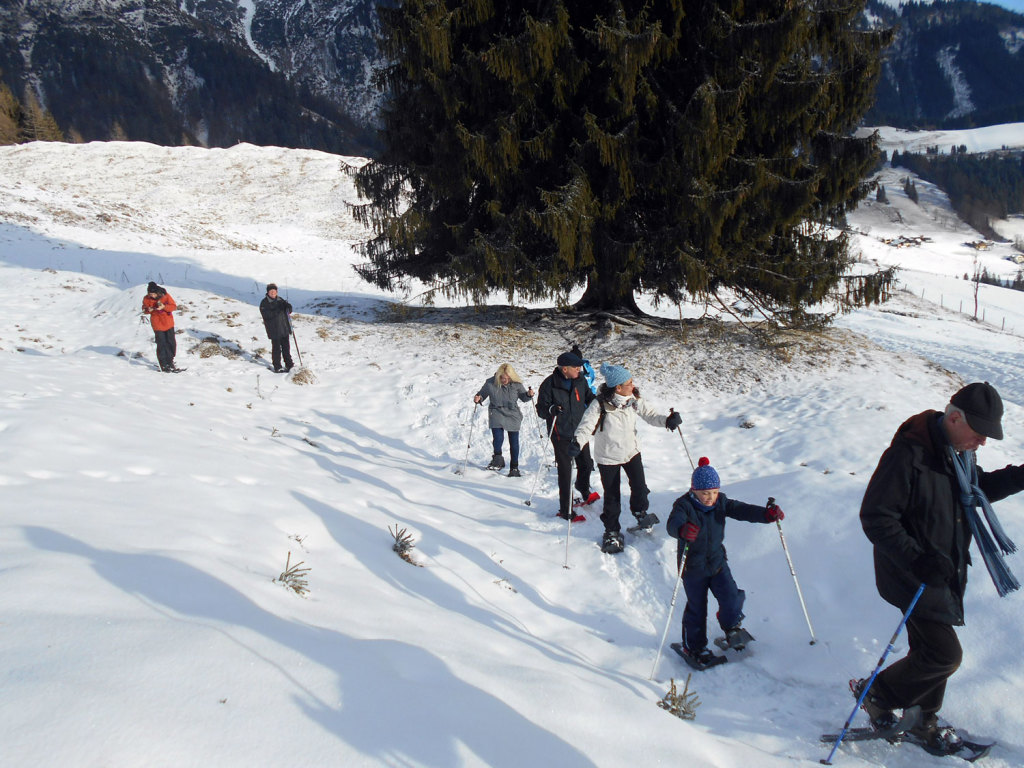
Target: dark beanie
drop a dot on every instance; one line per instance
(271, 287)
(569, 359)
(983, 408)
(152, 287)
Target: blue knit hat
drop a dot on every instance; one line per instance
(704, 476)
(615, 374)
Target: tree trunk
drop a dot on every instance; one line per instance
(608, 296)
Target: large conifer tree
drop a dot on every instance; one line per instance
(673, 146)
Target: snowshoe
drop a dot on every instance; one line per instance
(579, 501)
(699, 660)
(933, 739)
(612, 543)
(497, 462)
(645, 521)
(892, 732)
(514, 472)
(576, 517)
(957, 747)
(944, 741)
(736, 639)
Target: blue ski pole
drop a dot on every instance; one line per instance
(878, 668)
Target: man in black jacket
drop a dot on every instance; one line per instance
(275, 311)
(561, 400)
(914, 513)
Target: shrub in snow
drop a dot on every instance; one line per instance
(682, 705)
(303, 376)
(294, 577)
(403, 544)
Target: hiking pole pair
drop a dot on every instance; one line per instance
(469, 440)
(792, 571)
(878, 668)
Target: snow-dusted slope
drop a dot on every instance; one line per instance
(146, 516)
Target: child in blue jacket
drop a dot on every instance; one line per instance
(698, 522)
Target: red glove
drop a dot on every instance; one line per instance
(689, 532)
(774, 512)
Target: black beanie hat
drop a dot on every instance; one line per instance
(983, 408)
(271, 287)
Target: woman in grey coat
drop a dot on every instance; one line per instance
(504, 391)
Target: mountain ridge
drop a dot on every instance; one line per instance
(299, 73)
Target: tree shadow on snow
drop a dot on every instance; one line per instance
(357, 537)
(400, 704)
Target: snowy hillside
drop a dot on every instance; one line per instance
(146, 517)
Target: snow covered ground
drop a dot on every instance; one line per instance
(146, 517)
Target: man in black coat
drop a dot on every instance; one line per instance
(561, 400)
(275, 311)
(913, 514)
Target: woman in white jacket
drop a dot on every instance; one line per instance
(609, 423)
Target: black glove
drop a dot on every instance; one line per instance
(555, 409)
(933, 569)
(673, 421)
(574, 450)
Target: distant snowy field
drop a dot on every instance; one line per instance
(146, 516)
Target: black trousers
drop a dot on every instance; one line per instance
(584, 466)
(920, 676)
(281, 347)
(166, 348)
(638, 490)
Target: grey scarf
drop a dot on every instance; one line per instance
(971, 497)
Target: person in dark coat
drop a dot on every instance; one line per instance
(697, 522)
(504, 392)
(275, 311)
(562, 399)
(914, 514)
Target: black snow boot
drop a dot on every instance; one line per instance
(613, 543)
(513, 471)
(497, 462)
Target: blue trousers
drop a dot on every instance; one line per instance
(695, 616)
(498, 439)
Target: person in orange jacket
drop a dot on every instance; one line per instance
(158, 304)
